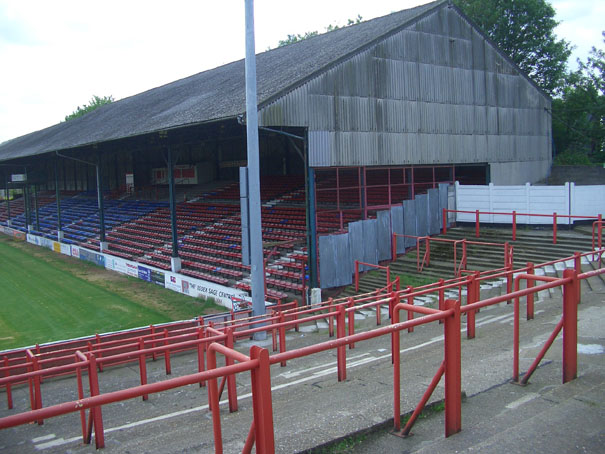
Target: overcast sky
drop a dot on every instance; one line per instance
(54, 55)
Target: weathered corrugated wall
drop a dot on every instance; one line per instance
(434, 93)
(370, 241)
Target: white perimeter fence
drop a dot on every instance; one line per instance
(567, 200)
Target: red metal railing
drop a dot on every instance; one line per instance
(555, 218)
(597, 240)
(379, 267)
(460, 264)
(342, 311)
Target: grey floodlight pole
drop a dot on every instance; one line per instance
(256, 236)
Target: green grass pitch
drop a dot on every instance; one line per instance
(46, 297)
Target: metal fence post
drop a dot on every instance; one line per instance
(470, 315)
(570, 327)
(213, 404)
(351, 317)
(143, 366)
(453, 404)
(341, 354)
(530, 296)
(231, 387)
(282, 336)
(396, 360)
(261, 401)
(577, 258)
(95, 414)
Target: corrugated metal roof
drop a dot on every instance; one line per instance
(215, 94)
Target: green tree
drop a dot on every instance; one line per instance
(579, 113)
(94, 103)
(291, 39)
(524, 30)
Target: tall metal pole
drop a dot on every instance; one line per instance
(174, 261)
(256, 238)
(27, 202)
(58, 197)
(8, 204)
(102, 244)
(36, 207)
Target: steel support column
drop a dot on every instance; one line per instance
(36, 207)
(312, 247)
(256, 237)
(27, 207)
(175, 260)
(58, 199)
(8, 203)
(102, 243)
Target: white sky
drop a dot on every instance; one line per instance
(54, 55)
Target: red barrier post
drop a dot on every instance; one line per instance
(37, 388)
(152, 330)
(95, 414)
(356, 275)
(213, 404)
(570, 326)
(330, 319)
(444, 218)
(262, 406)
(81, 396)
(470, 315)
(516, 337)
(464, 255)
(600, 231)
(410, 313)
(201, 347)
(167, 354)
(514, 225)
(231, 386)
(378, 306)
(477, 223)
(274, 331)
(453, 377)
(530, 296)
(394, 247)
(351, 305)
(30, 381)
(143, 366)
(509, 280)
(9, 394)
(554, 228)
(396, 360)
(98, 354)
(441, 298)
(577, 262)
(428, 251)
(341, 352)
(282, 337)
(506, 254)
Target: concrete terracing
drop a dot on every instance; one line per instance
(311, 408)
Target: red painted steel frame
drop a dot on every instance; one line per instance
(514, 215)
(452, 369)
(357, 263)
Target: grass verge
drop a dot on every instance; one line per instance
(48, 296)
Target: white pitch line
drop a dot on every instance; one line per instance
(329, 370)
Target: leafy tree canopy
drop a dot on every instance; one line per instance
(298, 37)
(579, 113)
(94, 103)
(524, 30)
